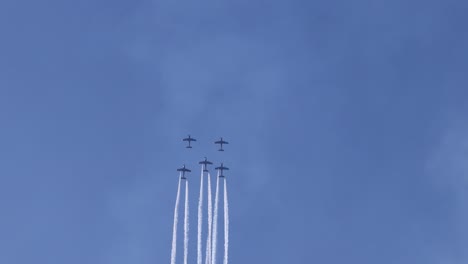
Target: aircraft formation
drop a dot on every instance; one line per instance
(212, 212)
(189, 139)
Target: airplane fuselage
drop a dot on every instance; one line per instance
(221, 142)
(205, 164)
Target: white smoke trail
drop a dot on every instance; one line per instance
(200, 221)
(186, 223)
(210, 220)
(215, 223)
(174, 228)
(226, 224)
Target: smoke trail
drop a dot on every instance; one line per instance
(174, 228)
(210, 219)
(215, 223)
(226, 224)
(186, 223)
(200, 220)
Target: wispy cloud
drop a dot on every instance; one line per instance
(448, 168)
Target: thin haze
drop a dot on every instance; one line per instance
(347, 123)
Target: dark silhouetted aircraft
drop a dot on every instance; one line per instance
(183, 170)
(205, 163)
(189, 139)
(222, 168)
(221, 142)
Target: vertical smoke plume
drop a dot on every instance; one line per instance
(210, 220)
(226, 224)
(200, 221)
(174, 228)
(215, 223)
(186, 223)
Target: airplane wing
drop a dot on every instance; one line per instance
(185, 139)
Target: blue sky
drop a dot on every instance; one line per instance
(347, 122)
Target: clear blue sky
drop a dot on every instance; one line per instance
(347, 122)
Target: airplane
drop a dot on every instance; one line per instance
(221, 142)
(222, 168)
(183, 170)
(189, 139)
(205, 163)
